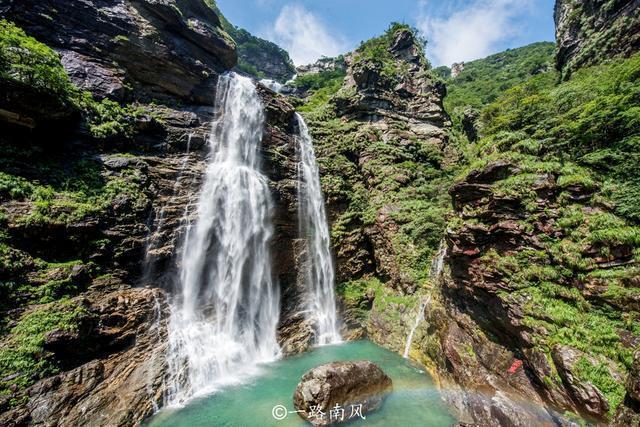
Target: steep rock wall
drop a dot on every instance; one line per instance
(589, 32)
(92, 221)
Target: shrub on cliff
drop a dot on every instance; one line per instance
(570, 145)
(24, 59)
(594, 118)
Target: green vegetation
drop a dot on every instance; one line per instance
(316, 81)
(375, 53)
(254, 52)
(108, 119)
(322, 87)
(482, 81)
(59, 190)
(581, 134)
(23, 359)
(391, 178)
(617, 34)
(82, 191)
(25, 60)
(593, 119)
(67, 192)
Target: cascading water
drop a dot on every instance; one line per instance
(319, 271)
(419, 317)
(437, 265)
(224, 317)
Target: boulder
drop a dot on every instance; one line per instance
(628, 413)
(633, 381)
(333, 392)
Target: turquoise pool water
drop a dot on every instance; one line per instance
(415, 400)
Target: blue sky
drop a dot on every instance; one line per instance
(457, 30)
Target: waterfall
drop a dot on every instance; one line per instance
(224, 316)
(437, 266)
(319, 270)
(419, 317)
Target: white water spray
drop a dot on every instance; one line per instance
(223, 320)
(319, 274)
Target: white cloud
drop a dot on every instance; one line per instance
(471, 32)
(303, 35)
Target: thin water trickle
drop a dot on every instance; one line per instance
(319, 269)
(437, 265)
(224, 316)
(419, 318)
(155, 235)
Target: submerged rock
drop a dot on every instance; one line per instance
(340, 391)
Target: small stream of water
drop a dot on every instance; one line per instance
(437, 265)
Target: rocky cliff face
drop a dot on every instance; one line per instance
(381, 143)
(132, 49)
(532, 318)
(509, 326)
(258, 58)
(589, 32)
(93, 211)
(386, 162)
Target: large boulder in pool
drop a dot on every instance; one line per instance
(340, 391)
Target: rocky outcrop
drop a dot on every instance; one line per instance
(117, 207)
(257, 58)
(403, 112)
(279, 150)
(132, 49)
(486, 298)
(269, 60)
(338, 386)
(22, 105)
(589, 32)
(323, 65)
(114, 363)
(586, 395)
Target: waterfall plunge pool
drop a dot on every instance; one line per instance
(415, 400)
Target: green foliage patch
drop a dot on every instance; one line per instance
(25, 60)
(28, 61)
(23, 359)
(580, 136)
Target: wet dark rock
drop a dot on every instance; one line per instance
(343, 384)
(470, 117)
(26, 107)
(628, 413)
(160, 49)
(633, 381)
(118, 388)
(405, 47)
